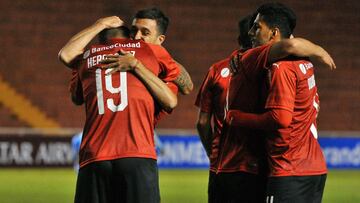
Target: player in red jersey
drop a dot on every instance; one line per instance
(240, 153)
(297, 168)
(117, 156)
(150, 25)
(211, 99)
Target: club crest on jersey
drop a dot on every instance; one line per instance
(86, 54)
(225, 72)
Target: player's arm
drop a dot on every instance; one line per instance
(279, 103)
(76, 45)
(172, 70)
(271, 120)
(158, 89)
(183, 81)
(75, 89)
(204, 101)
(302, 48)
(205, 131)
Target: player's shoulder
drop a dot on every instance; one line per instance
(220, 64)
(220, 69)
(156, 47)
(293, 64)
(159, 51)
(303, 66)
(257, 49)
(282, 66)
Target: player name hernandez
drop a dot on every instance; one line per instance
(95, 59)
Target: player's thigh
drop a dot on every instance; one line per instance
(214, 190)
(141, 179)
(318, 192)
(94, 183)
(295, 189)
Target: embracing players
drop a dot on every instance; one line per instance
(117, 154)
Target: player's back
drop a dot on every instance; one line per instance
(295, 150)
(119, 108)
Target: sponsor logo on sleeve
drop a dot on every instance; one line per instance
(305, 66)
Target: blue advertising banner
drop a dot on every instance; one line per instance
(181, 152)
(187, 152)
(174, 151)
(341, 152)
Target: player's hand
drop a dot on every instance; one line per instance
(229, 117)
(110, 22)
(123, 62)
(235, 63)
(323, 59)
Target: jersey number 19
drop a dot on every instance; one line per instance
(122, 90)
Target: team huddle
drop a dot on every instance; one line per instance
(257, 118)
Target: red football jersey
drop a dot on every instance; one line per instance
(169, 70)
(119, 108)
(75, 87)
(211, 99)
(294, 151)
(243, 149)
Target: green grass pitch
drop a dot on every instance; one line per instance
(177, 186)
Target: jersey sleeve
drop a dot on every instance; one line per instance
(169, 70)
(75, 87)
(204, 96)
(254, 60)
(271, 120)
(282, 89)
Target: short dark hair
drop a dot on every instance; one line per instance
(106, 34)
(277, 15)
(155, 14)
(244, 26)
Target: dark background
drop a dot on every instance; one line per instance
(200, 33)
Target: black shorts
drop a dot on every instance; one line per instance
(236, 187)
(126, 180)
(295, 189)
